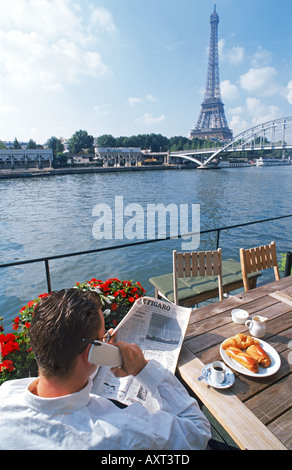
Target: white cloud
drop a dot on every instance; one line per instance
(50, 18)
(94, 63)
(261, 57)
(134, 101)
(238, 124)
(253, 112)
(289, 92)
(260, 112)
(237, 110)
(101, 17)
(149, 119)
(234, 55)
(260, 81)
(44, 44)
(151, 98)
(102, 109)
(7, 110)
(229, 90)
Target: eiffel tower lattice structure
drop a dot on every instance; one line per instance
(212, 122)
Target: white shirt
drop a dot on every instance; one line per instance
(84, 421)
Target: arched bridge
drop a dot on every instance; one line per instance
(271, 135)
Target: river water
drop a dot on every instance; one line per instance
(55, 215)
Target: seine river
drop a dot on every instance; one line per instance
(55, 215)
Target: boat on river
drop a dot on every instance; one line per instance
(273, 161)
(236, 163)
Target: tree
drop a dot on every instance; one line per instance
(80, 141)
(107, 140)
(31, 144)
(16, 144)
(56, 145)
(179, 143)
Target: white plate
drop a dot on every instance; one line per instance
(229, 377)
(263, 371)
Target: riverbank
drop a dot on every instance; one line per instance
(34, 173)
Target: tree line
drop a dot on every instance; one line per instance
(81, 142)
(155, 142)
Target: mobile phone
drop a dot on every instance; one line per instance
(104, 354)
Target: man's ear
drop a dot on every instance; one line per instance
(84, 355)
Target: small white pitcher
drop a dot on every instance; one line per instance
(257, 326)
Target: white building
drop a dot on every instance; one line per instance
(115, 156)
(26, 158)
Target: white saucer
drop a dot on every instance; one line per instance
(229, 377)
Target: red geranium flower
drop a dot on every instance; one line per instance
(43, 296)
(7, 366)
(15, 325)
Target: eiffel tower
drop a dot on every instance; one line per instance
(212, 122)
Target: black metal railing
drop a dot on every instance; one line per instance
(288, 264)
(217, 230)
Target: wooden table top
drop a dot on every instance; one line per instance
(256, 412)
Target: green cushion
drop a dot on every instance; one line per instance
(190, 286)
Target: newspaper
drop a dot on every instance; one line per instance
(158, 328)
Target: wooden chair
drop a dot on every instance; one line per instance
(194, 264)
(194, 290)
(256, 259)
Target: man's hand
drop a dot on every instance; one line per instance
(133, 360)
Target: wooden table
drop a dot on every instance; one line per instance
(256, 412)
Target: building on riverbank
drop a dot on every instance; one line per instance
(119, 156)
(25, 158)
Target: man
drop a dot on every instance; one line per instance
(58, 411)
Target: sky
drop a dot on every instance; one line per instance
(128, 67)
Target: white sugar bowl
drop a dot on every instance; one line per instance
(239, 316)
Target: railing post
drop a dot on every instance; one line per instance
(218, 237)
(48, 275)
(288, 264)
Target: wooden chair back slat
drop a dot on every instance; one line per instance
(209, 264)
(202, 268)
(217, 263)
(194, 270)
(188, 270)
(180, 265)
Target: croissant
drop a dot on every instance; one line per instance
(243, 359)
(230, 342)
(259, 355)
(247, 341)
(240, 341)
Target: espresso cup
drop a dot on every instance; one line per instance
(217, 372)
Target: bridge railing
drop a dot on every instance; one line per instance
(46, 260)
